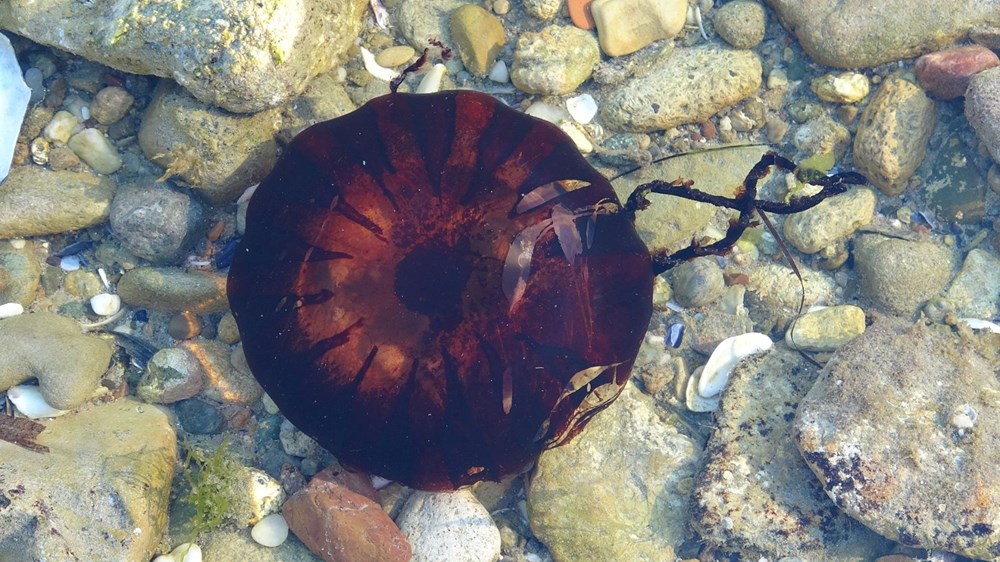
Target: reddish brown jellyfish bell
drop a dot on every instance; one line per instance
(437, 288)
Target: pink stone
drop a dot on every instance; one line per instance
(343, 526)
(946, 74)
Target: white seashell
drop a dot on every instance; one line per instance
(582, 108)
(187, 552)
(378, 482)
(28, 400)
(269, 405)
(725, 357)
(270, 531)
(375, 69)
(431, 82)
(548, 112)
(105, 304)
(264, 493)
(964, 417)
(696, 402)
(10, 309)
(977, 324)
(499, 73)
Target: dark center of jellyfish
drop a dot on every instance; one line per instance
(432, 279)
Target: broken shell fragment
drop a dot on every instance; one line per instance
(726, 355)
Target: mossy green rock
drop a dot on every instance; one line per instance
(173, 290)
(36, 201)
(619, 491)
(99, 493)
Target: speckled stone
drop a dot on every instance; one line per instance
(228, 332)
(900, 275)
(756, 495)
(901, 429)
(740, 23)
(35, 201)
(982, 109)
(690, 86)
(697, 282)
(172, 374)
(619, 490)
(946, 74)
(449, 526)
(173, 290)
(111, 104)
(835, 219)
(554, 61)
(893, 133)
(543, 9)
(20, 276)
(156, 223)
(199, 417)
(774, 293)
(625, 26)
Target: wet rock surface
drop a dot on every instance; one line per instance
(900, 275)
(900, 428)
(37, 201)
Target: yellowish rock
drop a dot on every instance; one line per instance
(478, 35)
(846, 87)
(826, 329)
(625, 26)
(60, 127)
(397, 55)
(96, 150)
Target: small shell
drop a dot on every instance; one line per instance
(28, 400)
(977, 324)
(694, 400)
(499, 73)
(69, 263)
(675, 335)
(582, 108)
(270, 531)
(725, 357)
(187, 552)
(105, 304)
(431, 82)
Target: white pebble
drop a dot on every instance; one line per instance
(96, 150)
(69, 263)
(17, 243)
(375, 69)
(582, 108)
(11, 309)
(977, 324)
(728, 353)
(187, 552)
(499, 72)
(269, 405)
(548, 112)
(61, 127)
(580, 138)
(964, 417)
(270, 531)
(431, 82)
(105, 304)
(28, 400)
(33, 78)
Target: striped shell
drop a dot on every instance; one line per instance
(437, 288)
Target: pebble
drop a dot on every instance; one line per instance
(397, 55)
(297, 444)
(690, 86)
(171, 374)
(478, 37)
(159, 224)
(826, 329)
(20, 276)
(199, 417)
(270, 531)
(184, 325)
(344, 525)
(61, 127)
(741, 23)
(105, 304)
(720, 364)
(185, 552)
(227, 332)
(982, 109)
(10, 309)
(50, 202)
(893, 133)
(111, 104)
(697, 282)
(901, 275)
(96, 151)
(625, 26)
(29, 401)
(224, 381)
(946, 74)
(499, 73)
(68, 364)
(846, 87)
(69, 263)
(449, 526)
(173, 290)
(833, 220)
(579, 13)
(63, 158)
(554, 61)
(582, 108)
(82, 284)
(542, 9)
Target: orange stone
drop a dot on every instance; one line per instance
(579, 12)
